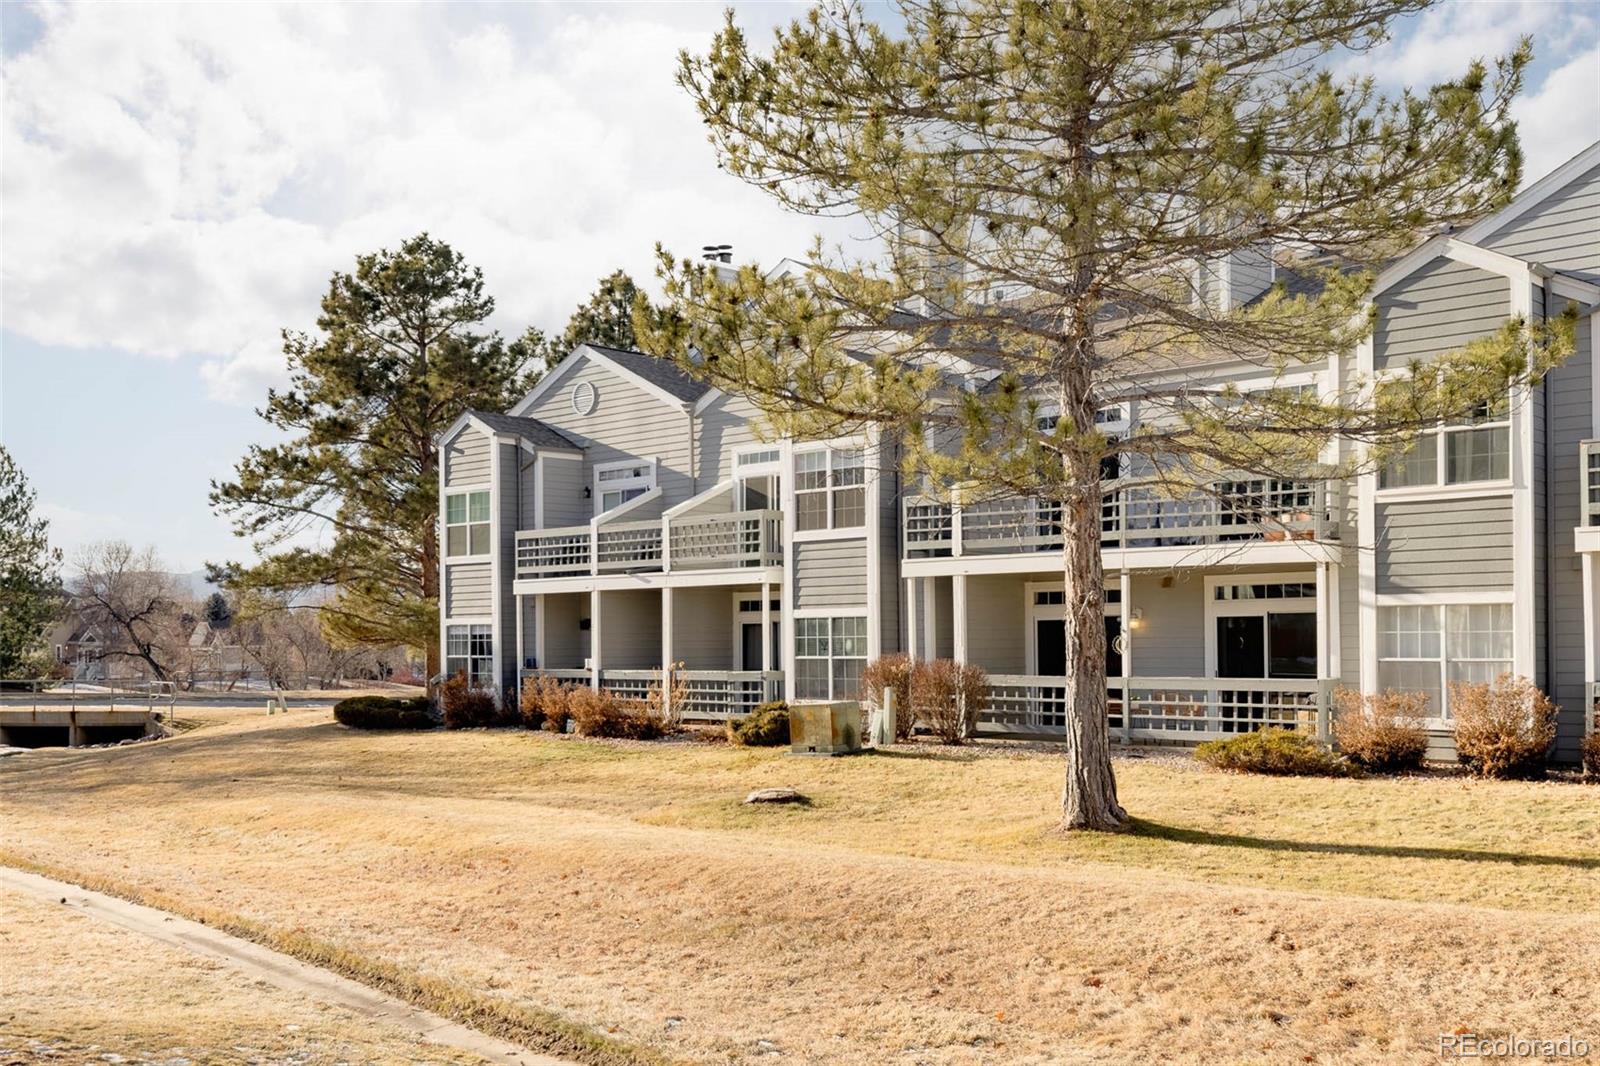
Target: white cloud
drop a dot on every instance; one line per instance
(182, 180)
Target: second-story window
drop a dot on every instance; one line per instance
(830, 489)
(617, 483)
(466, 523)
(1477, 449)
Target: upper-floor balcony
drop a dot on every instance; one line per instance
(697, 536)
(1589, 472)
(1228, 513)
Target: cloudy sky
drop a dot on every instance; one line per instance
(179, 182)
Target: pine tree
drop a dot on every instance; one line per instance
(1053, 184)
(398, 357)
(30, 571)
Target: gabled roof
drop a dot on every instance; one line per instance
(1534, 194)
(661, 378)
(662, 373)
(535, 432)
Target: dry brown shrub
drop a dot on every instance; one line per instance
(466, 707)
(544, 703)
(1505, 729)
(1382, 732)
(948, 696)
(891, 673)
(602, 714)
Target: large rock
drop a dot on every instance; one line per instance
(776, 795)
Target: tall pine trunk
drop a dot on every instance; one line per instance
(1089, 797)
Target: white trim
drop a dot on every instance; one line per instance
(1524, 522)
(496, 636)
(1459, 490)
(695, 501)
(1366, 550)
(648, 580)
(872, 459)
(538, 630)
(1034, 613)
(1141, 560)
(958, 618)
(847, 533)
(1215, 609)
(1494, 262)
(786, 622)
(1447, 597)
(741, 618)
(445, 524)
(1534, 194)
(706, 401)
(1572, 288)
(623, 509)
(1591, 659)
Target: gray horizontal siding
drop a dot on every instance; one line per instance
(1569, 421)
(627, 423)
(830, 573)
(630, 629)
(1563, 232)
(725, 425)
(466, 590)
(466, 458)
(1440, 545)
(1439, 308)
(564, 504)
(997, 621)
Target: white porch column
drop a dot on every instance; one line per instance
(1324, 651)
(522, 655)
(1591, 635)
(1125, 627)
(930, 624)
(667, 659)
(594, 638)
(958, 616)
(766, 626)
(913, 645)
(538, 632)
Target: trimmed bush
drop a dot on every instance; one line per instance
(544, 704)
(767, 726)
(1382, 732)
(466, 707)
(1273, 751)
(602, 714)
(382, 712)
(891, 672)
(1503, 730)
(947, 697)
(1591, 757)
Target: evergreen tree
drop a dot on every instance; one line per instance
(397, 358)
(1054, 183)
(30, 572)
(218, 612)
(605, 318)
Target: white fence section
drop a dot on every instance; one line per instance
(682, 543)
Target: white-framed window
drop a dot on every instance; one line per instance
(830, 489)
(1478, 449)
(617, 483)
(829, 657)
(746, 460)
(1263, 627)
(1429, 647)
(758, 474)
(470, 648)
(466, 523)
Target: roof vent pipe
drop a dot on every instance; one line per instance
(717, 253)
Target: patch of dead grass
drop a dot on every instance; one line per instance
(921, 911)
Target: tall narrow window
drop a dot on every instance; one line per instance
(466, 523)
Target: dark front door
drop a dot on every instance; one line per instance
(1241, 646)
(1050, 646)
(750, 644)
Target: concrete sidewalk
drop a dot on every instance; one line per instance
(274, 967)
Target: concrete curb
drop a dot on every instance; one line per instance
(274, 967)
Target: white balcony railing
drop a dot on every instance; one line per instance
(1244, 510)
(1589, 490)
(1183, 709)
(725, 541)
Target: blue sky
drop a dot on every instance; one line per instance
(178, 183)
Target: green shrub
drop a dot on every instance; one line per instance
(948, 696)
(1273, 751)
(1503, 730)
(1382, 732)
(767, 726)
(891, 673)
(466, 707)
(602, 714)
(382, 712)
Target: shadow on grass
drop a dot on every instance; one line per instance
(928, 753)
(1184, 835)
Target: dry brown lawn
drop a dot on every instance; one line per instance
(920, 911)
(74, 989)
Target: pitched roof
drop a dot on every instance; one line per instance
(662, 373)
(531, 430)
